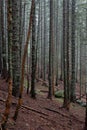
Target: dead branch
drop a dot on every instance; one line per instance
(34, 110)
(62, 114)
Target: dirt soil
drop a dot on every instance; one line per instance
(42, 113)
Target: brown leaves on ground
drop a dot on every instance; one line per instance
(42, 113)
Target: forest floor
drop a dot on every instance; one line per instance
(42, 113)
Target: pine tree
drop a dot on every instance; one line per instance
(4, 66)
(33, 73)
(16, 46)
(23, 65)
(73, 52)
(66, 53)
(51, 53)
(0, 41)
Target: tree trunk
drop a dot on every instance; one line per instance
(0, 40)
(16, 46)
(73, 97)
(57, 41)
(33, 73)
(4, 66)
(51, 53)
(44, 55)
(66, 52)
(86, 78)
(23, 65)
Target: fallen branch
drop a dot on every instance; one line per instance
(28, 108)
(32, 109)
(36, 111)
(64, 115)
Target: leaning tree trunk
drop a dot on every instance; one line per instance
(8, 105)
(23, 66)
(8, 101)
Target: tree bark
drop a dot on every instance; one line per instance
(33, 73)
(51, 53)
(73, 96)
(23, 65)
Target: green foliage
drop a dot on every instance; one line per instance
(59, 94)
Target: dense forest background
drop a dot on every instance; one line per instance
(44, 41)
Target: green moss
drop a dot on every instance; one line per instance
(59, 94)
